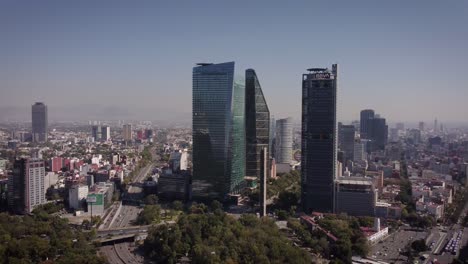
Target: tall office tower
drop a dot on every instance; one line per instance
(264, 171)
(436, 127)
(105, 133)
(400, 126)
(218, 119)
(366, 115)
(257, 124)
(127, 132)
(359, 151)
(284, 140)
(421, 126)
(319, 143)
(39, 122)
(378, 133)
(26, 188)
(96, 132)
(271, 145)
(357, 125)
(346, 135)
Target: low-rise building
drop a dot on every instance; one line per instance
(77, 196)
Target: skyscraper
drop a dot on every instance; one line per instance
(218, 120)
(257, 124)
(39, 122)
(346, 135)
(96, 132)
(378, 133)
(366, 115)
(421, 126)
(127, 132)
(271, 145)
(284, 140)
(26, 188)
(319, 139)
(105, 133)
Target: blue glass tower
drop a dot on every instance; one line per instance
(218, 120)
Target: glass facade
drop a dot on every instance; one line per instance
(284, 140)
(319, 143)
(39, 122)
(218, 120)
(257, 124)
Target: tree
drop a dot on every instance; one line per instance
(419, 245)
(216, 205)
(219, 238)
(177, 205)
(282, 215)
(151, 199)
(149, 215)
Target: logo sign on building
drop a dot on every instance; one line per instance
(321, 76)
(91, 199)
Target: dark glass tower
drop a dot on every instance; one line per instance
(39, 122)
(319, 141)
(218, 117)
(378, 133)
(257, 125)
(346, 134)
(366, 116)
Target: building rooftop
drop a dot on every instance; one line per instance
(354, 181)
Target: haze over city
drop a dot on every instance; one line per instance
(111, 60)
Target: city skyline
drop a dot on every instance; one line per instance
(413, 57)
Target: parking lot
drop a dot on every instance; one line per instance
(390, 249)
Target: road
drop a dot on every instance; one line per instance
(447, 257)
(111, 255)
(436, 238)
(124, 252)
(123, 231)
(390, 249)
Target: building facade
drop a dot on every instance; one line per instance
(378, 133)
(127, 132)
(366, 115)
(355, 196)
(284, 140)
(346, 137)
(26, 186)
(39, 122)
(218, 119)
(77, 196)
(319, 139)
(105, 133)
(257, 124)
(96, 133)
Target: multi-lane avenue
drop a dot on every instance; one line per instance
(121, 222)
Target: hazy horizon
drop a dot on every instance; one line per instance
(95, 61)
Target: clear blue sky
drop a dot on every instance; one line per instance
(134, 59)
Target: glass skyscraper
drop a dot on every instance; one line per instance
(218, 120)
(319, 139)
(284, 140)
(39, 122)
(257, 125)
(366, 116)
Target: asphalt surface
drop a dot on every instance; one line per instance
(390, 249)
(447, 257)
(125, 252)
(436, 238)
